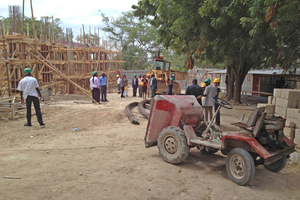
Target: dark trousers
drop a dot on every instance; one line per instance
(96, 94)
(134, 88)
(153, 91)
(218, 114)
(103, 93)
(92, 93)
(36, 104)
(122, 91)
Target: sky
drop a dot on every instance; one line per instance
(72, 13)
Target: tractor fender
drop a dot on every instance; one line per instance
(243, 141)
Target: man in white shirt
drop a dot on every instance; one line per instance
(119, 84)
(91, 83)
(29, 89)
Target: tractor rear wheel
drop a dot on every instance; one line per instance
(277, 165)
(172, 145)
(240, 166)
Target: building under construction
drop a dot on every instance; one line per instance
(56, 62)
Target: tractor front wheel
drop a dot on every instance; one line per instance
(277, 165)
(172, 145)
(240, 166)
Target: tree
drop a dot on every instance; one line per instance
(135, 38)
(231, 32)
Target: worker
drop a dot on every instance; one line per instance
(153, 85)
(170, 86)
(218, 96)
(203, 86)
(103, 85)
(119, 84)
(29, 90)
(209, 93)
(122, 82)
(91, 83)
(135, 84)
(96, 87)
(144, 87)
(195, 90)
(125, 86)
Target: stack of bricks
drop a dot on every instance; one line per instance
(286, 103)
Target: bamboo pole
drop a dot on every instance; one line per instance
(5, 56)
(23, 18)
(32, 16)
(48, 64)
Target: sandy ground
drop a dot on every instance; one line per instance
(107, 159)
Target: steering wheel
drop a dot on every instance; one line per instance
(223, 103)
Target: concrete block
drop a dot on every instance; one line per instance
(294, 120)
(277, 92)
(270, 109)
(289, 132)
(270, 99)
(277, 110)
(259, 105)
(292, 103)
(297, 133)
(297, 141)
(298, 85)
(274, 100)
(293, 94)
(289, 123)
(292, 112)
(295, 157)
(282, 102)
(282, 111)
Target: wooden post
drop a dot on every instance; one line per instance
(27, 30)
(23, 19)
(32, 16)
(52, 29)
(6, 64)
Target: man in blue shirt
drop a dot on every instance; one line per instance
(153, 85)
(103, 86)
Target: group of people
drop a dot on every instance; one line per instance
(138, 84)
(205, 95)
(98, 86)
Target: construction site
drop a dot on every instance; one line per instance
(88, 150)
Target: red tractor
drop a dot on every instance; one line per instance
(176, 124)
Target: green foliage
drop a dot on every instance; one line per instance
(235, 33)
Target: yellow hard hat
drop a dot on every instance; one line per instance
(125, 88)
(117, 76)
(203, 85)
(217, 80)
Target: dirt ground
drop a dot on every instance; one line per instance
(107, 159)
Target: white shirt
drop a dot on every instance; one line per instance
(91, 83)
(151, 81)
(28, 86)
(119, 80)
(210, 92)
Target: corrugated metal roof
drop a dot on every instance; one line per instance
(268, 71)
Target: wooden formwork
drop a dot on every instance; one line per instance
(53, 63)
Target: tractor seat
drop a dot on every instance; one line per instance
(254, 123)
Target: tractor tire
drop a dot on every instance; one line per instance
(277, 166)
(208, 150)
(172, 145)
(240, 166)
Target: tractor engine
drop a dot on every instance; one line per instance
(271, 134)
